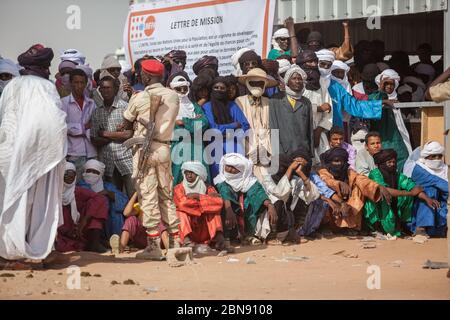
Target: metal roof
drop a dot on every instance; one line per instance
(326, 10)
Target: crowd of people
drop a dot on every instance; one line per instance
(287, 149)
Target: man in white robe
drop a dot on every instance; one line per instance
(32, 151)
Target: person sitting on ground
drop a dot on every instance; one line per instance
(84, 214)
(291, 191)
(336, 138)
(392, 217)
(117, 200)
(198, 207)
(364, 158)
(133, 230)
(431, 173)
(246, 204)
(352, 190)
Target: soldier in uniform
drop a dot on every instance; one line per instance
(154, 187)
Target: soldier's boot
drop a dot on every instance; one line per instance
(152, 251)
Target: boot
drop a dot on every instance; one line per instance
(174, 240)
(94, 241)
(152, 251)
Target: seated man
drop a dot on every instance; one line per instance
(351, 189)
(246, 204)
(93, 180)
(198, 207)
(336, 137)
(364, 159)
(133, 230)
(392, 217)
(84, 213)
(430, 172)
(292, 192)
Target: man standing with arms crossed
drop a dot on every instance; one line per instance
(154, 182)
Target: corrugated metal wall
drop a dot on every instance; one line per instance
(326, 10)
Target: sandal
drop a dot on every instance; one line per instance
(253, 241)
(274, 242)
(114, 242)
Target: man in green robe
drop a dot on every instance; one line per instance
(247, 207)
(391, 218)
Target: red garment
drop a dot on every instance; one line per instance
(360, 96)
(90, 204)
(80, 102)
(199, 219)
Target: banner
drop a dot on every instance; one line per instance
(209, 27)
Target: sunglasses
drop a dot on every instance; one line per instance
(283, 39)
(182, 89)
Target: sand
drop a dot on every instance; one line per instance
(333, 268)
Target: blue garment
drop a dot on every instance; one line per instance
(434, 221)
(116, 219)
(324, 190)
(270, 92)
(343, 101)
(138, 87)
(229, 145)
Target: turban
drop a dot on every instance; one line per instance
(280, 33)
(432, 148)
(283, 65)
(110, 62)
(389, 74)
(196, 167)
(235, 60)
(179, 79)
(70, 166)
(339, 172)
(370, 71)
(314, 36)
(67, 64)
(334, 153)
(291, 71)
(326, 55)
(73, 55)
(36, 61)
(338, 64)
(404, 88)
(177, 54)
(205, 62)
(8, 66)
(153, 67)
(271, 66)
(384, 155)
(94, 180)
(96, 165)
(241, 181)
(294, 69)
(306, 56)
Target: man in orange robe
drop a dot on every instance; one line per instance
(198, 207)
(351, 189)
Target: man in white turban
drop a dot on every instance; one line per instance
(431, 173)
(84, 214)
(93, 180)
(284, 41)
(73, 55)
(199, 208)
(32, 151)
(254, 219)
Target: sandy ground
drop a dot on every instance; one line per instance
(322, 274)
